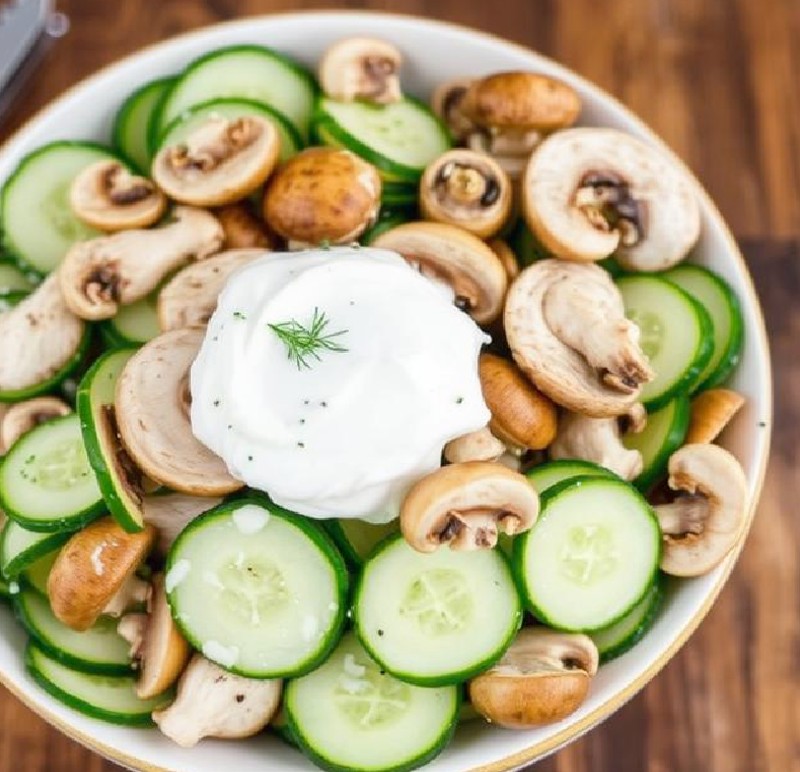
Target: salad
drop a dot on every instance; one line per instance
(327, 412)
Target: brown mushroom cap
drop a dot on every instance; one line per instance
(708, 517)
(567, 331)
(455, 257)
(106, 196)
(189, 298)
(361, 68)
(712, 411)
(242, 229)
(446, 102)
(222, 161)
(543, 677)
(152, 407)
(467, 189)
(21, 417)
(91, 569)
(323, 194)
(521, 415)
(465, 505)
(521, 100)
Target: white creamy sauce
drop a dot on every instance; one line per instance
(348, 434)
(250, 519)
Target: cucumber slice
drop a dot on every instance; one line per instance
(400, 139)
(623, 635)
(258, 590)
(132, 125)
(99, 650)
(20, 548)
(439, 618)
(723, 307)
(12, 279)
(243, 72)
(117, 476)
(350, 715)
(36, 575)
(399, 195)
(591, 555)
(547, 475)
(357, 539)
(177, 131)
(133, 325)
(37, 221)
(662, 436)
(46, 482)
(676, 335)
(108, 698)
(5, 593)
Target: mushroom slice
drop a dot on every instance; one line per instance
(446, 102)
(543, 677)
(242, 229)
(457, 258)
(94, 573)
(99, 275)
(465, 505)
(222, 161)
(522, 416)
(597, 440)
(467, 189)
(214, 703)
(106, 196)
(170, 513)
(41, 338)
(566, 327)
(152, 408)
(708, 516)
(480, 445)
(156, 644)
(712, 411)
(190, 297)
(589, 192)
(366, 69)
(20, 418)
(323, 194)
(507, 258)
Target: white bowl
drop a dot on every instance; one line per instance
(434, 52)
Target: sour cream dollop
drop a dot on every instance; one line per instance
(347, 431)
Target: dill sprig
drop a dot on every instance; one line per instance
(303, 342)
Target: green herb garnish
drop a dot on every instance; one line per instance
(304, 342)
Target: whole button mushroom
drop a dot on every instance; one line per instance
(465, 505)
(446, 102)
(588, 192)
(222, 161)
(467, 189)
(322, 195)
(20, 418)
(367, 69)
(543, 677)
(106, 196)
(242, 229)
(566, 327)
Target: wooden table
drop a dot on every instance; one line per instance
(718, 80)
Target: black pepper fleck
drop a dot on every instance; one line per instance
(239, 698)
(380, 632)
(216, 403)
(459, 400)
(301, 444)
(762, 424)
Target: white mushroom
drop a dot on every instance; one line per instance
(170, 513)
(214, 703)
(20, 418)
(366, 69)
(480, 445)
(567, 330)
(99, 275)
(589, 192)
(446, 102)
(190, 297)
(708, 516)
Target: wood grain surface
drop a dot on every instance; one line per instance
(718, 80)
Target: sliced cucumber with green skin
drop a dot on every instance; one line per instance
(676, 335)
(438, 618)
(35, 215)
(20, 548)
(591, 555)
(132, 325)
(132, 125)
(46, 481)
(623, 635)
(663, 434)
(178, 131)
(243, 72)
(400, 139)
(357, 539)
(257, 589)
(723, 307)
(399, 195)
(98, 422)
(385, 223)
(108, 698)
(36, 575)
(547, 475)
(12, 279)
(99, 650)
(350, 715)
(5, 593)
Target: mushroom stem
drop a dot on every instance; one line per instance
(473, 530)
(132, 628)
(685, 515)
(132, 593)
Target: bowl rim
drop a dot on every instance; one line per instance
(538, 750)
